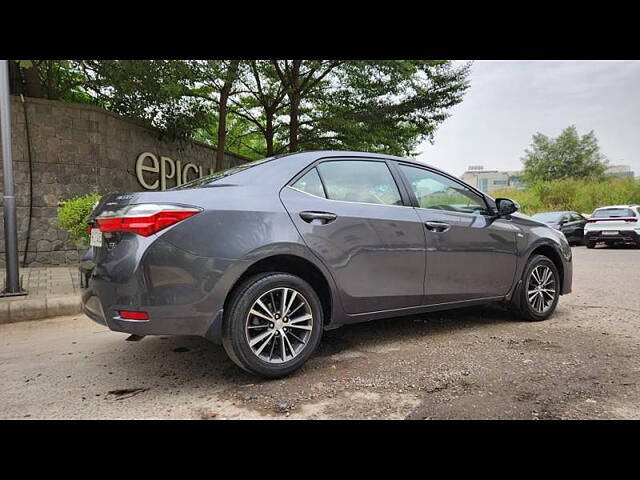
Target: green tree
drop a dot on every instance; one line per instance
(265, 107)
(301, 80)
(567, 156)
(157, 92)
(52, 79)
(384, 106)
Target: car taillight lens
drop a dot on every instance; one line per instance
(143, 219)
(594, 220)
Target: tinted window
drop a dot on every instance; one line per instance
(547, 217)
(310, 183)
(359, 181)
(613, 213)
(575, 217)
(438, 192)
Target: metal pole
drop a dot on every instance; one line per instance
(10, 231)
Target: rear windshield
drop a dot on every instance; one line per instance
(613, 213)
(547, 216)
(214, 177)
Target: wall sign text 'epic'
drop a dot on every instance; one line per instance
(165, 168)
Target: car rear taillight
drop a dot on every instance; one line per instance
(612, 219)
(143, 219)
(133, 315)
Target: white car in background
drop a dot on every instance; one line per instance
(617, 223)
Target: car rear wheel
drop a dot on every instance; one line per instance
(540, 289)
(590, 244)
(273, 324)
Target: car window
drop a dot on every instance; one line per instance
(575, 217)
(359, 181)
(547, 217)
(310, 183)
(439, 192)
(613, 213)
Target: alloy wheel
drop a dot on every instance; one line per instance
(541, 288)
(279, 325)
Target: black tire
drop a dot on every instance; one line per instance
(609, 243)
(234, 336)
(525, 309)
(590, 244)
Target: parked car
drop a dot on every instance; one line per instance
(568, 222)
(613, 224)
(265, 256)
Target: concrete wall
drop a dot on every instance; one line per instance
(76, 149)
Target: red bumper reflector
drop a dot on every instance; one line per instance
(133, 315)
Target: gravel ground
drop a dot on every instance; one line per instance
(471, 363)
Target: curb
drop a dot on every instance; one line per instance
(23, 310)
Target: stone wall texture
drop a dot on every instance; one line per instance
(78, 149)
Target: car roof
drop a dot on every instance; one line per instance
(617, 206)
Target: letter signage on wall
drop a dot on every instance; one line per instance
(163, 169)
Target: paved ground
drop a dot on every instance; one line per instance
(53, 281)
(474, 363)
(51, 291)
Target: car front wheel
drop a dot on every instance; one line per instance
(540, 289)
(273, 324)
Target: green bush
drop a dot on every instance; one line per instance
(73, 214)
(580, 195)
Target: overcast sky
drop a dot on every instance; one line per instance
(509, 101)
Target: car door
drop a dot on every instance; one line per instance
(471, 253)
(568, 227)
(353, 217)
(579, 222)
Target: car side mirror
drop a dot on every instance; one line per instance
(506, 206)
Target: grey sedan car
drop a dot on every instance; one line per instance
(264, 257)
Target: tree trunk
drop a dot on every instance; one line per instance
(294, 106)
(230, 78)
(294, 122)
(222, 130)
(268, 132)
(32, 86)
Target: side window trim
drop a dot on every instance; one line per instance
(324, 186)
(414, 199)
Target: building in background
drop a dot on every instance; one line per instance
(623, 171)
(488, 180)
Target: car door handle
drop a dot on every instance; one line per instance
(323, 217)
(438, 227)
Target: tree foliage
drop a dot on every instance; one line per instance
(582, 195)
(73, 215)
(263, 107)
(567, 156)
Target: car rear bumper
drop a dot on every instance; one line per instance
(183, 294)
(160, 321)
(621, 236)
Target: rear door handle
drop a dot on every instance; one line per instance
(322, 217)
(438, 227)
